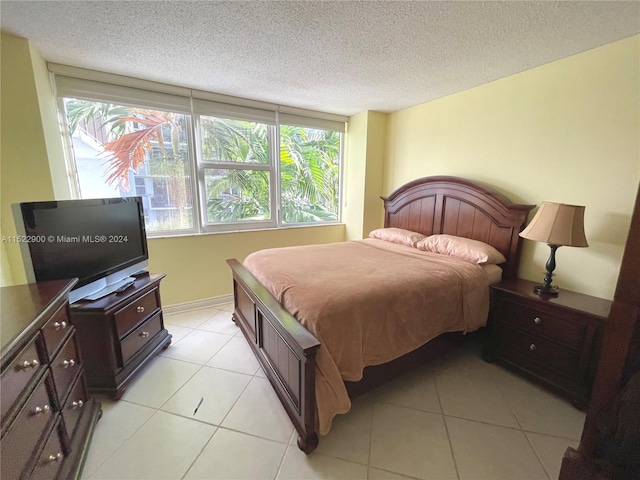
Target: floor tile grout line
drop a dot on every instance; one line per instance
(124, 441)
(287, 443)
(236, 402)
(506, 401)
(163, 354)
(281, 464)
(199, 453)
(393, 473)
(373, 412)
(159, 409)
(446, 428)
(535, 452)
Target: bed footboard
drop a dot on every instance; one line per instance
(285, 349)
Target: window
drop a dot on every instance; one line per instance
(237, 170)
(200, 164)
(309, 174)
(126, 151)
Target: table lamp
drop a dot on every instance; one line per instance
(557, 225)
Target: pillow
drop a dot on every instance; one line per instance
(472, 251)
(397, 235)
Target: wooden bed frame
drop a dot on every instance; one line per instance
(286, 350)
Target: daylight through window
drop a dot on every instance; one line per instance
(201, 165)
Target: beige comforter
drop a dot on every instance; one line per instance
(369, 302)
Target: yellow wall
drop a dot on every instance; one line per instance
(363, 173)
(33, 168)
(568, 131)
(24, 161)
(354, 175)
(374, 180)
(50, 127)
(196, 267)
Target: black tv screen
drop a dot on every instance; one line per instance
(100, 240)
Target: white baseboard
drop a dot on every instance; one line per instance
(196, 304)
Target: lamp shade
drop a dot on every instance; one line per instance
(557, 224)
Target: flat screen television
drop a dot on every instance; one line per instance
(102, 242)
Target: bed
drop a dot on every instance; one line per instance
(315, 374)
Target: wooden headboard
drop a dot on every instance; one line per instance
(457, 206)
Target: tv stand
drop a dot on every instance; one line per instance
(120, 333)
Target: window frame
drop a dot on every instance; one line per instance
(72, 82)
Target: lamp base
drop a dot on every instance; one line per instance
(546, 290)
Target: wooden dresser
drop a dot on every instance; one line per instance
(47, 416)
(553, 339)
(610, 443)
(120, 333)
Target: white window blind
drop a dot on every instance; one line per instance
(234, 112)
(92, 90)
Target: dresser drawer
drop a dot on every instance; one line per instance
(140, 337)
(51, 457)
(56, 329)
(544, 323)
(536, 351)
(26, 430)
(130, 316)
(65, 367)
(17, 375)
(72, 408)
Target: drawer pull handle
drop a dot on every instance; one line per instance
(60, 325)
(29, 364)
(532, 347)
(537, 321)
(77, 404)
(144, 334)
(140, 309)
(55, 458)
(68, 363)
(39, 410)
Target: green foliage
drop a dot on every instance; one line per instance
(309, 161)
(105, 114)
(309, 172)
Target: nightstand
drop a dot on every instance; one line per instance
(555, 340)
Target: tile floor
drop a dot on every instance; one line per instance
(458, 418)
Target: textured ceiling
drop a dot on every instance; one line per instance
(340, 57)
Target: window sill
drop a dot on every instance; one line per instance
(227, 232)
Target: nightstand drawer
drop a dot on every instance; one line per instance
(140, 337)
(537, 351)
(541, 322)
(137, 311)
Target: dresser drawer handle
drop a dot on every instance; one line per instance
(29, 364)
(140, 309)
(537, 321)
(144, 334)
(532, 347)
(41, 410)
(60, 325)
(55, 458)
(77, 404)
(68, 363)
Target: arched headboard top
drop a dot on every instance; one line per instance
(461, 207)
